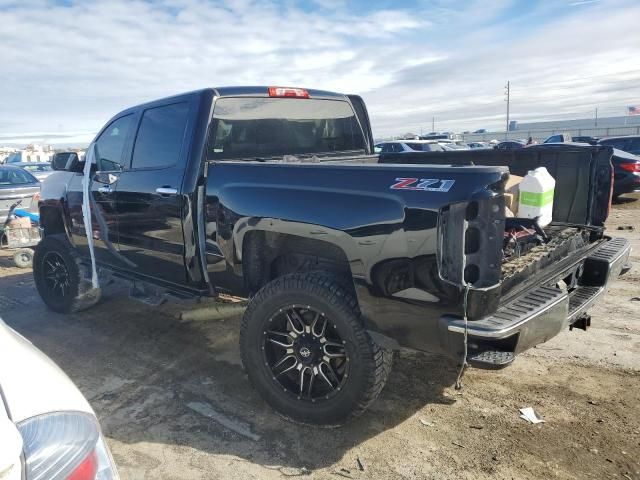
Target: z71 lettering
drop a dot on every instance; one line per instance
(423, 184)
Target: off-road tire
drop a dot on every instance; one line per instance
(23, 258)
(370, 364)
(81, 294)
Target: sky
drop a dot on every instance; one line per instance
(67, 66)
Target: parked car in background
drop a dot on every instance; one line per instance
(626, 168)
(510, 145)
(629, 143)
(481, 130)
(480, 145)
(585, 139)
(559, 138)
(37, 169)
(47, 428)
(17, 185)
(14, 157)
(397, 146)
(453, 145)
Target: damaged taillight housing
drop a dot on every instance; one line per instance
(65, 446)
(470, 242)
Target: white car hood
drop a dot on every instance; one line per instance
(31, 383)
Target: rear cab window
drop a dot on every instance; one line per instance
(250, 128)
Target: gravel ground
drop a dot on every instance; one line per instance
(175, 404)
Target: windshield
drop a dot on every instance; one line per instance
(250, 128)
(15, 176)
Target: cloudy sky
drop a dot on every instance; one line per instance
(67, 66)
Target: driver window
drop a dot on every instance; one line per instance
(110, 145)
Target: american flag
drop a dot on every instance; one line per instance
(634, 110)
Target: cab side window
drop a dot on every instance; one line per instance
(160, 136)
(110, 144)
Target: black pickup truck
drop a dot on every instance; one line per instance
(274, 194)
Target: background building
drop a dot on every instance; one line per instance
(602, 127)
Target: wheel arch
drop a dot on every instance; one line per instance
(52, 220)
(269, 253)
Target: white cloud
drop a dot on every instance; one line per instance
(67, 69)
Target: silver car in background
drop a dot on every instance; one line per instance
(17, 186)
(40, 170)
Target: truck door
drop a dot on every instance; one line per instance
(149, 194)
(110, 150)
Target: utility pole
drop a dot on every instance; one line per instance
(433, 124)
(508, 99)
(596, 116)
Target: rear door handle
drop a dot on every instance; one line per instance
(105, 189)
(167, 191)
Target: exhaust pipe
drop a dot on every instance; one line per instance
(214, 312)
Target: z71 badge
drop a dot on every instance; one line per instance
(424, 184)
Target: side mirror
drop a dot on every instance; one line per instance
(67, 161)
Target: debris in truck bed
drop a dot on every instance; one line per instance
(512, 263)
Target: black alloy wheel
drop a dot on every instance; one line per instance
(62, 280)
(305, 353)
(56, 274)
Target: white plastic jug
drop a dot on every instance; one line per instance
(536, 196)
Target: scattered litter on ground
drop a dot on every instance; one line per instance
(626, 227)
(593, 402)
(476, 427)
(360, 464)
(426, 423)
(206, 410)
(343, 472)
(530, 416)
(635, 299)
(458, 444)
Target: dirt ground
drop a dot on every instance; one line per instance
(175, 404)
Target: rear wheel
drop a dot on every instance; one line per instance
(23, 258)
(307, 353)
(59, 276)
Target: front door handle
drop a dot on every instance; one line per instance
(166, 191)
(105, 189)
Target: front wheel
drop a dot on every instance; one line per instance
(307, 353)
(60, 277)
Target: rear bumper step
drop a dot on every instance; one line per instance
(539, 314)
(491, 359)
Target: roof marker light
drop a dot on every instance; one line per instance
(288, 92)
